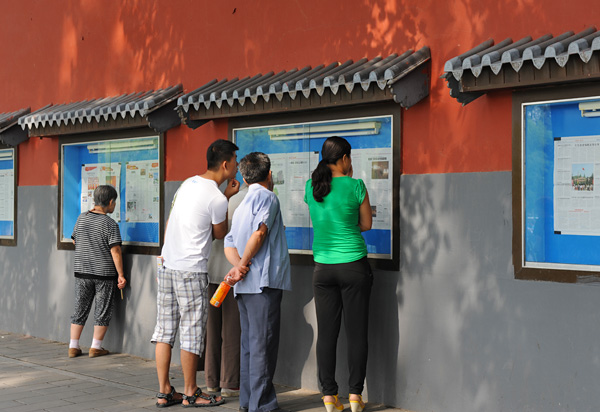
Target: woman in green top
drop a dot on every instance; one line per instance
(340, 210)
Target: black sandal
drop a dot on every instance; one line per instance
(170, 397)
(198, 394)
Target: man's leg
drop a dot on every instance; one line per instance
(212, 361)
(167, 322)
(189, 365)
(230, 351)
(264, 313)
(163, 361)
(244, 353)
(191, 290)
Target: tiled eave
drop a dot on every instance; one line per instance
(403, 79)
(10, 132)
(154, 109)
(570, 57)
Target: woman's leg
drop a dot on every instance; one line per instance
(105, 296)
(328, 304)
(356, 290)
(84, 296)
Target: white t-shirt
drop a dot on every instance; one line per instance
(197, 205)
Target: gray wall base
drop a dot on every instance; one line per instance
(451, 331)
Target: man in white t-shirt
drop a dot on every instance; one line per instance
(198, 214)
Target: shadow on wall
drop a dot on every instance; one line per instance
(471, 336)
(37, 294)
(385, 369)
(296, 366)
(134, 317)
(37, 290)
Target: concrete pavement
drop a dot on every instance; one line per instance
(37, 375)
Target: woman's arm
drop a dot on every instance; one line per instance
(365, 214)
(117, 257)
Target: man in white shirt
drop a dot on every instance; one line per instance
(198, 214)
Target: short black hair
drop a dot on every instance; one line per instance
(218, 152)
(103, 194)
(255, 167)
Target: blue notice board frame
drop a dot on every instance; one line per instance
(297, 146)
(560, 139)
(126, 153)
(8, 188)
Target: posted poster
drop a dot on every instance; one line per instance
(95, 174)
(290, 173)
(7, 194)
(292, 170)
(374, 167)
(576, 196)
(142, 195)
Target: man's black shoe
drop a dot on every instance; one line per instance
(243, 409)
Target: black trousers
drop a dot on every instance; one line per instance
(342, 288)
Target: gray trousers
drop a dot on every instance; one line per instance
(260, 316)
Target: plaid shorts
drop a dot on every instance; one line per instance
(182, 303)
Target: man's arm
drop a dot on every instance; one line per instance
(117, 257)
(240, 264)
(220, 229)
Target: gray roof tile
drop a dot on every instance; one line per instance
(142, 103)
(11, 119)
(381, 72)
(512, 55)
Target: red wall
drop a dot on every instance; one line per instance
(185, 149)
(38, 162)
(97, 48)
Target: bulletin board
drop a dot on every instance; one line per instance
(294, 150)
(7, 193)
(561, 200)
(133, 167)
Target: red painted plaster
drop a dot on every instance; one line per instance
(38, 162)
(87, 49)
(185, 149)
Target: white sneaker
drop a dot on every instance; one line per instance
(230, 393)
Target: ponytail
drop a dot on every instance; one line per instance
(321, 181)
(333, 149)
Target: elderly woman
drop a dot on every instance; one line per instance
(340, 210)
(98, 268)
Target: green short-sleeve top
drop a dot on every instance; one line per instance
(337, 237)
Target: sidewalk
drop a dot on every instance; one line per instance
(37, 375)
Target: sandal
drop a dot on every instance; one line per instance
(170, 397)
(198, 394)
